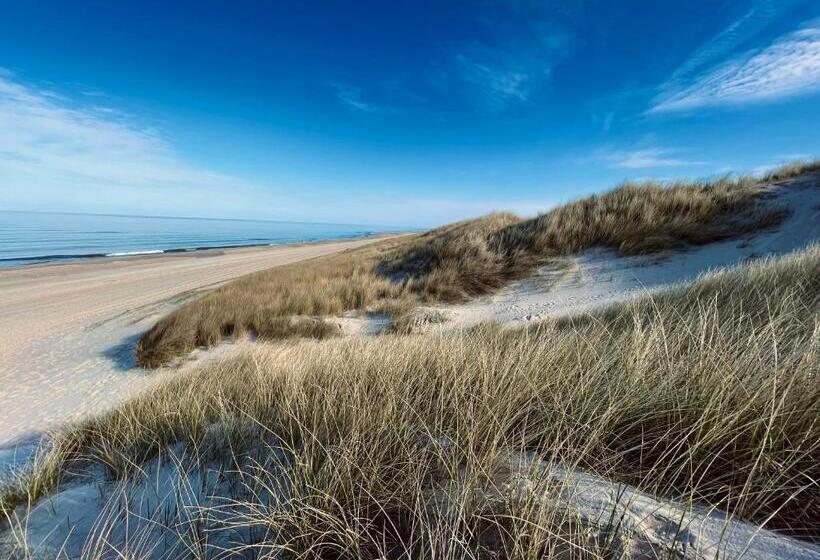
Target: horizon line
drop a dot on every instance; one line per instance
(204, 218)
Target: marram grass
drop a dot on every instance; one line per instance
(706, 393)
(462, 260)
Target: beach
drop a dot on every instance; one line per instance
(69, 330)
(575, 348)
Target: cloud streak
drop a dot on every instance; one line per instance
(55, 153)
(351, 98)
(646, 158)
(514, 57)
(500, 85)
(788, 67)
(753, 21)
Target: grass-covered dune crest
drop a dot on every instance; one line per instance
(396, 446)
(462, 260)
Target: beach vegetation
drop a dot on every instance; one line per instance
(406, 446)
(456, 262)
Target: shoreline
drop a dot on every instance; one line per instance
(72, 327)
(16, 263)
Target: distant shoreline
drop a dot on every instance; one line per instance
(192, 218)
(40, 262)
(36, 238)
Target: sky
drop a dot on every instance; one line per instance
(392, 113)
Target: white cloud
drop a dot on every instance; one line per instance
(761, 170)
(779, 161)
(513, 59)
(351, 98)
(501, 85)
(55, 154)
(753, 21)
(646, 158)
(790, 66)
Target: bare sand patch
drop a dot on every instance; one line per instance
(69, 330)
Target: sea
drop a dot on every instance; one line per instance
(39, 237)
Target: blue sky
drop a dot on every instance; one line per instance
(403, 113)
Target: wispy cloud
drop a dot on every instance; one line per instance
(58, 154)
(351, 97)
(645, 158)
(54, 151)
(778, 161)
(790, 66)
(508, 67)
(752, 21)
(500, 85)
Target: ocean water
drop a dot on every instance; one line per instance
(38, 237)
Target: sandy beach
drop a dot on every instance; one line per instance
(69, 330)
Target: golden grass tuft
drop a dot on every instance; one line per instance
(793, 169)
(646, 217)
(459, 261)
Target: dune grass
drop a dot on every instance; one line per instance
(706, 393)
(459, 261)
(792, 169)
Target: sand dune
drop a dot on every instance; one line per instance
(599, 277)
(72, 329)
(69, 330)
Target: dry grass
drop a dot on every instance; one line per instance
(264, 303)
(459, 261)
(793, 169)
(707, 393)
(645, 218)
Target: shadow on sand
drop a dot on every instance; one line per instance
(16, 455)
(123, 355)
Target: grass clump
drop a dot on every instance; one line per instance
(706, 393)
(459, 261)
(793, 169)
(646, 217)
(265, 303)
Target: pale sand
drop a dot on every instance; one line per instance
(599, 277)
(150, 514)
(69, 330)
(98, 348)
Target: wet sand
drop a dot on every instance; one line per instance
(69, 330)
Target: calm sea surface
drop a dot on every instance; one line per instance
(34, 237)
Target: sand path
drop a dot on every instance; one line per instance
(69, 330)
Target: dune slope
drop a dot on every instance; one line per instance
(698, 399)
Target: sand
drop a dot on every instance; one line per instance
(150, 515)
(69, 351)
(599, 277)
(69, 330)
